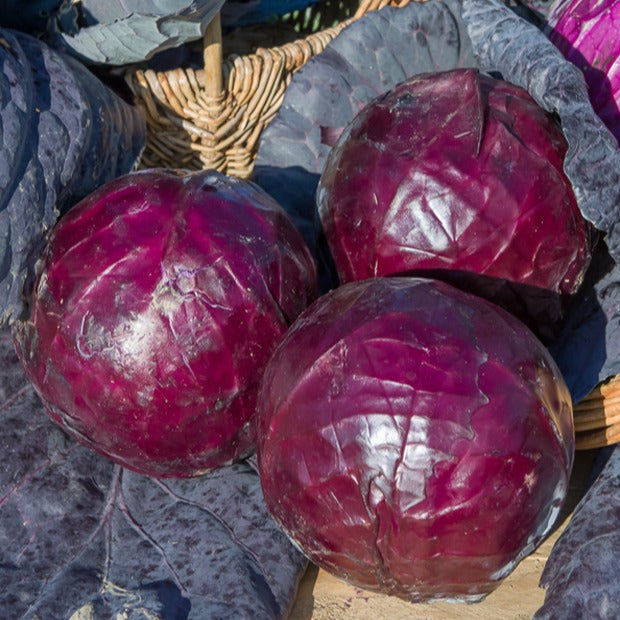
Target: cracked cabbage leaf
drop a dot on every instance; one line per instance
(63, 133)
(78, 533)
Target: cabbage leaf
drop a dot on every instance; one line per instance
(581, 574)
(131, 31)
(63, 134)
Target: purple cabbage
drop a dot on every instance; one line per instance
(457, 171)
(587, 32)
(414, 439)
(158, 301)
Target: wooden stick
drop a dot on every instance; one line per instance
(213, 58)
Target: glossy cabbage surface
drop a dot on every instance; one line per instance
(457, 171)
(587, 32)
(158, 302)
(414, 439)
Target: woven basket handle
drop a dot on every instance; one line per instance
(372, 5)
(213, 58)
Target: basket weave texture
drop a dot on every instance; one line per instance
(597, 416)
(211, 117)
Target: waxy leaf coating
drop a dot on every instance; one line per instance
(414, 439)
(159, 299)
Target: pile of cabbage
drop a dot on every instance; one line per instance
(413, 432)
(413, 437)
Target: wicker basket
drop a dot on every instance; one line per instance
(597, 417)
(212, 117)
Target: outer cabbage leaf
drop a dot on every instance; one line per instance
(64, 134)
(80, 534)
(16, 114)
(120, 33)
(581, 574)
(538, 9)
(541, 6)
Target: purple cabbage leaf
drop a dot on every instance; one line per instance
(63, 134)
(79, 534)
(121, 33)
(581, 574)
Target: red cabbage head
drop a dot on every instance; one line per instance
(414, 439)
(460, 173)
(587, 32)
(158, 301)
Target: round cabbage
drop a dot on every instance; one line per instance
(414, 439)
(158, 301)
(587, 32)
(462, 172)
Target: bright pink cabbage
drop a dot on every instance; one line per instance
(159, 300)
(414, 439)
(457, 171)
(587, 32)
